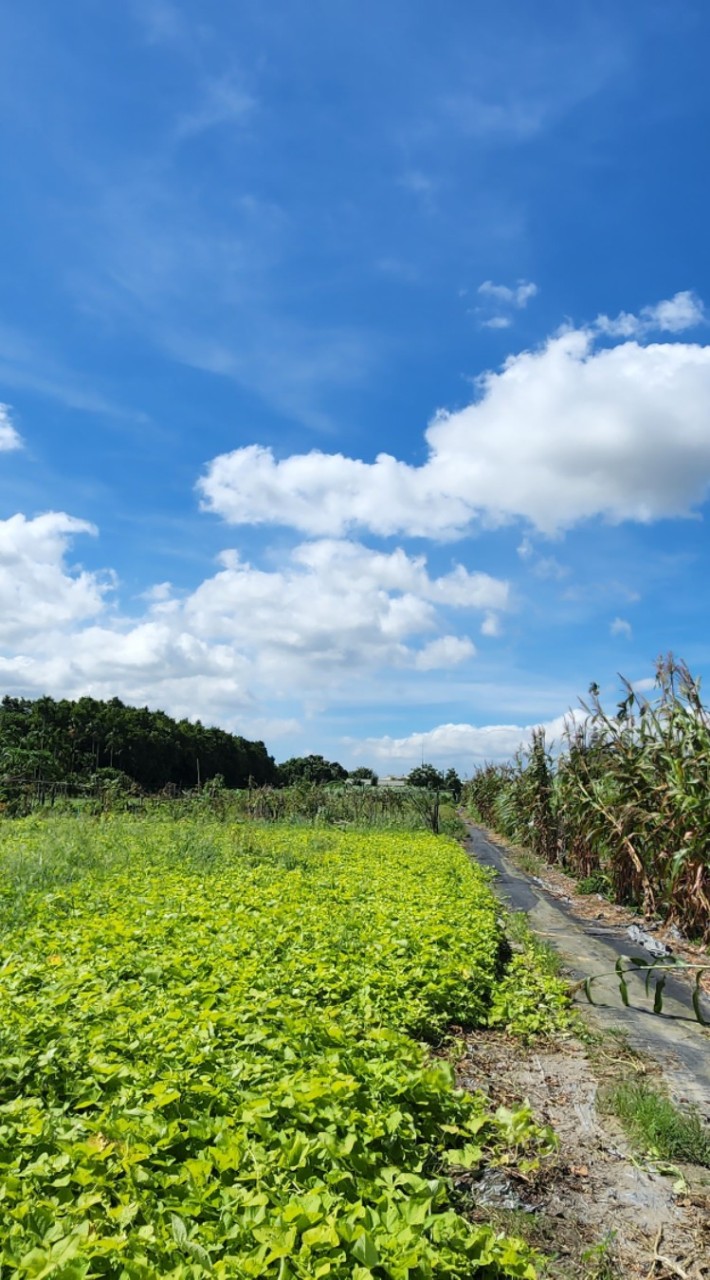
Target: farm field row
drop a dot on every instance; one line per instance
(210, 1057)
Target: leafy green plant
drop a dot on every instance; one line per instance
(600, 1259)
(211, 1058)
(595, 883)
(531, 998)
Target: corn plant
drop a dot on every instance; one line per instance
(628, 798)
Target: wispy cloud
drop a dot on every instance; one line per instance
(485, 120)
(509, 94)
(9, 435)
(25, 365)
(544, 567)
(207, 283)
(398, 269)
(549, 568)
(518, 296)
(501, 301)
(620, 627)
(224, 102)
(685, 310)
(292, 368)
(422, 184)
(161, 22)
(491, 625)
(497, 322)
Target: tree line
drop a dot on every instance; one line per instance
(70, 743)
(49, 746)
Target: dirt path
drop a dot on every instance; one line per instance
(593, 1211)
(675, 1042)
(596, 1212)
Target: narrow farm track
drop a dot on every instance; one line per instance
(673, 1041)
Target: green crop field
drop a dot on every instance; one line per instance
(214, 1056)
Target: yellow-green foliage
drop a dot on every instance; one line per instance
(208, 1061)
(531, 998)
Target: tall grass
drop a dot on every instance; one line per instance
(313, 804)
(627, 799)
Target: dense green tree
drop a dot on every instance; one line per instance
(363, 774)
(310, 769)
(426, 775)
(453, 784)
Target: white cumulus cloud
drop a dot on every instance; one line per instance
(447, 651)
(9, 435)
(518, 296)
(558, 435)
(338, 606)
(465, 745)
(37, 590)
(620, 627)
(331, 613)
(502, 300)
(491, 625)
(683, 311)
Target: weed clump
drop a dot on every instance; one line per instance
(657, 1126)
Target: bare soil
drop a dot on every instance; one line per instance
(597, 1210)
(594, 1209)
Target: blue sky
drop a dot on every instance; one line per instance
(355, 362)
